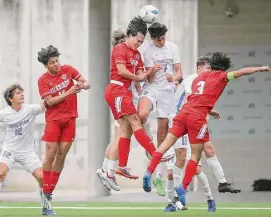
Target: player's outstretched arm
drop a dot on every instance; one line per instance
(246, 71)
(83, 83)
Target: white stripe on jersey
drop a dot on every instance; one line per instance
(20, 126)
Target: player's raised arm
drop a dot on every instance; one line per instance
(246, 71)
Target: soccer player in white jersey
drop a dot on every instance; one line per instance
(19, 141)
(158, 91)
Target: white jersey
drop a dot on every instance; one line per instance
(167, 56)
(20, 126)
(185, 88)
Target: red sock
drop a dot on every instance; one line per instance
(155, 160)
(144, 140)
(54, 180)
(190, 171)
(124, 149)
(46, 181)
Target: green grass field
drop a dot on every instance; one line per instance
(25, 209)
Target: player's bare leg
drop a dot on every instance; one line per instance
(3, 172)
(37, 173)
(190, 171)
(216, 168)
(156, 158)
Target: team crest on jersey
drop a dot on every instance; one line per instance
(64, 76)
(133, 62)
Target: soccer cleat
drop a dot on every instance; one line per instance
(211, 205)
(126, 173)
(170, 208)
(47, 212)
(147, 182)
(112, 182)
(181, 194)
(178, 204)
(101, 174)
(159, 184)
(227, 187)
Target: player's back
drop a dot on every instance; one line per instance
(206, 89)
(20, 126)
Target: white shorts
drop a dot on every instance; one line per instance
(161, 100)
(30, 161)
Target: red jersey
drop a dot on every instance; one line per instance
(54, 85)
(121, 53)
(206, 89)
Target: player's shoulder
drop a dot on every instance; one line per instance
(6, 110)
(148, 47)
(120, 46)
(170, 44)
(65, 68)
(45, 75)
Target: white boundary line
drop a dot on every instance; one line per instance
(133, 208)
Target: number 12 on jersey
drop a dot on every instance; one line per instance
(200, 85)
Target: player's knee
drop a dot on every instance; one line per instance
(143, 116)
(209, 150)
(170, 175)
(135, 122)
(3, 175)
(198, 170)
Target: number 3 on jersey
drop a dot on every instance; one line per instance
(200, 85)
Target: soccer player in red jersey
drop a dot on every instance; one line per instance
(127, 66)
(191, 120)
(58, 90)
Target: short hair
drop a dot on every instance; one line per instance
(202, 61)
(135, 26)
(10, 91)
(220, 61)
(157, 30)
(46, 53)
(118, 36)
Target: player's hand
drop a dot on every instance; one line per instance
(74, 89)
(264, 69)
(80, 84)
(170, 78)
(215, 114)
(142, 76)
(157, 67)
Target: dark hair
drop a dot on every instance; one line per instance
(10, 91)
(220, 61)
(157, 30)
(135, 26)
(202, 61)
(118, 36)
(46, 53)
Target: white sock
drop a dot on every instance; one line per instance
(105, 164)
(160, 170)
(216, 169)
(111, 167)
(170, 190)
(177, 176)
(205, 185)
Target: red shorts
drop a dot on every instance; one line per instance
(62, 130)
(195, 125)
(120, 100)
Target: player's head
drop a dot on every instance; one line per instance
(158, 32)
(220, 61)
(203, 64)
(118, 36)
(136, 32)
(49, 58)
(14, 94)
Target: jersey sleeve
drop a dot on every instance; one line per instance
(43, 88)
(2, 114)
(119, 55)
(148, 61)
(75, 75)
(175, 54)
(35, 109)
